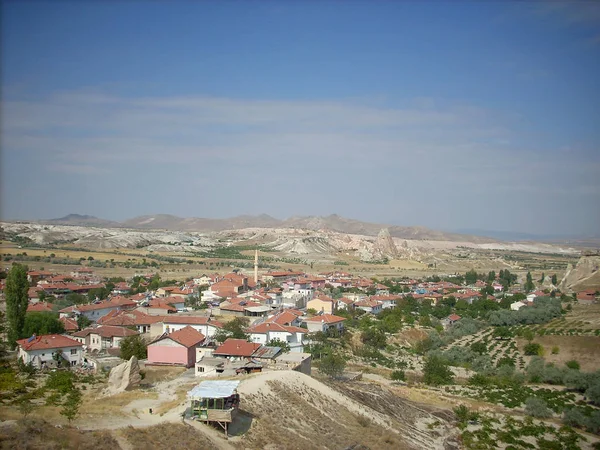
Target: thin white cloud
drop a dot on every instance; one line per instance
(91, 133)
(106, 128)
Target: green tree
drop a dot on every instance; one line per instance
(98, 293)
(235, 329)
(16, 301)
(536, 407)
(76, 299)
(26, 407)
(71, 406)
(134, 345)
(502, 333)
(332, 365)
(491, 277)
(40, 323)
(479, 347)
(471, 277)
(554, 280)
(529, 286)
(83, 322)
(593, 391)
(373, 337)
(436, 371)
(543, 277)
(284, 346)
(2, 333)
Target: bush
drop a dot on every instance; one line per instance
(573, 364)
(374, 337)
(533, 349)
(574, 417)
(436, 371)
(61, 381)
(555, 350)
(478, 347)
(535, 369)
(593, 391)
(536, 407)
(398, 375)
(332, 365)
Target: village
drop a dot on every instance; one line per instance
(282, 307)
(204, 348)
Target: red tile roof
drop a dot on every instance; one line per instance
(283, 318)
(265, 327)
(187, 336)
(236, 347)
(48, 341)
(324, 298)
(106, 331)
(190, 320)
(69, 324)
(40, 307)
(454, 317)
(327, 318)
(125, 318)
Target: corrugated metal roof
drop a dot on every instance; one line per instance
(266, 352)
(214, 389)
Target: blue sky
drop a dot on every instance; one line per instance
(448, 115)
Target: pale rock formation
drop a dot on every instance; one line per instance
(585, 275)
(385, 244)
(124, 377)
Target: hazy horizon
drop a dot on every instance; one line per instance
(458, 116)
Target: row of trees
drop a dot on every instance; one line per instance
(543, 310)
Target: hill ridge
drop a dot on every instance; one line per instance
(332, 222)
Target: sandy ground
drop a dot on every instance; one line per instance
(137, 413)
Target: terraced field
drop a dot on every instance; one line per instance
(497, 349)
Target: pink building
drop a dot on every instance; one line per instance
(177, 348)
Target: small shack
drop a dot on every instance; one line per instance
(215, 401)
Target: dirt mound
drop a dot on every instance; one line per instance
(585, 275)
(174, 436)
(409, 336)
(318, 415)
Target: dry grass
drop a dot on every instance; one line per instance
(9, 248)
(34, 434)
(112, 405)
(174, 436)
(180, 396)
(156, 374)
(314, 422)
(584, 349)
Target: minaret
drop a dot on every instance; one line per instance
(256, 267)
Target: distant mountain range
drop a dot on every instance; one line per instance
(332, 222)
(517, 236)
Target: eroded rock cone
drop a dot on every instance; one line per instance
(124, 377)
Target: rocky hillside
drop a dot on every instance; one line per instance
(318, 223)
(585, 275)
(326, 245)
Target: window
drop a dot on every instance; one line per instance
(73, 351)
(200, 369)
